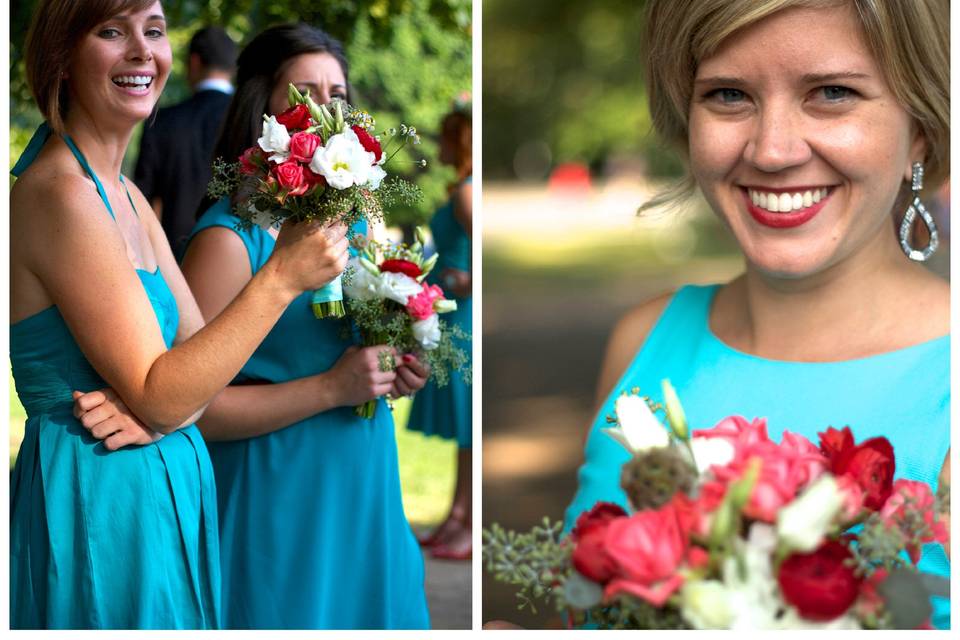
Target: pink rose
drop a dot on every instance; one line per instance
(648, 548)
(290, 178)
(302, 146)
(420, 306)
(785, 468)
(252, 161)
(912, 497)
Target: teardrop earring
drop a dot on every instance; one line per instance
(916, 207)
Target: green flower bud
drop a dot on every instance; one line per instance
(430, 264)
(419, 235)
(675, 415)
(369, 266)
(339, 123)
(445, 306)
(739, 492)
(294, 97)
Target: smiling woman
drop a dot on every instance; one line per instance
(808, 127)
(113, 519)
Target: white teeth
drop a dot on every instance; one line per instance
(137, 80)
(786, 202)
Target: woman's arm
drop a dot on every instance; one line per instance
(78, 254)
(217, 267)
(943, 495)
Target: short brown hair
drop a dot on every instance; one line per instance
(460, 128)
(909, 39)
(55, 30)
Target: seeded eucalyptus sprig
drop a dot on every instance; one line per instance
(537, 562)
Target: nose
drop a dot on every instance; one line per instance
(323, 94)
(779, 140)
(138, 48)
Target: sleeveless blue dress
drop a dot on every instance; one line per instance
(714, 381)
(99, 539)
(312, 529)
(448, 411)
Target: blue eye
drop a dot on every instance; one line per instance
(155, 33)
(109, 33)
(835, 93)
(727, 96)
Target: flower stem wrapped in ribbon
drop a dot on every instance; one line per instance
(391, 304)
(320, 163)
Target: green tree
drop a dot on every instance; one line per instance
(409, 59)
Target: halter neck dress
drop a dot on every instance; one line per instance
(99, 539)
(312, 529)
(448, 411)
(903, 395)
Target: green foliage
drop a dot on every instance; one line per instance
(566, 75)
(537, 561)
(408, 60)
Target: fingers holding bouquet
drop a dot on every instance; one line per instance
(363, 374)
(308, 255)
(412, 375)
(108, 418)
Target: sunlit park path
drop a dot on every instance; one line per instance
(558, 270)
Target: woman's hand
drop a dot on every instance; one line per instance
(357, 375)
(457, 282)
(107, 418)
(411, 376)
(308, 255)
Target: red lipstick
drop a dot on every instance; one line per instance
(784, 220)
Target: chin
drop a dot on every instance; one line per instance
(792, 264)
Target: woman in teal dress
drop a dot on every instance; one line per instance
(802, 126)
(113, 520)
(447, 411)
(312, 529)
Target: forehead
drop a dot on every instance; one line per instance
(316, 68)
(138, 8)
(805, 39)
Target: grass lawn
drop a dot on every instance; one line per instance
(426, 464)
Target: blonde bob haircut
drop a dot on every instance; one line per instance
(55, 31)
(910, 39)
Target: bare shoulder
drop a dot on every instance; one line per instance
(627, 337)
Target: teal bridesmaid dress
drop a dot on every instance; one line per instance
(447, 411)
(903, 395)
(312, 529)
(99, 539)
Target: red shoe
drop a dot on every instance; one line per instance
(446, 552)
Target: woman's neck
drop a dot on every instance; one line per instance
(102, 144)
(873, 302)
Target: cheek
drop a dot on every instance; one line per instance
(714, 150)
(278, 100)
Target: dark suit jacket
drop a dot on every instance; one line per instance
(175, 160)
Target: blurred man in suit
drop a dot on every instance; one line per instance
(176, 148)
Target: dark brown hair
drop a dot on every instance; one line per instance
(459, 126)
(55, 30)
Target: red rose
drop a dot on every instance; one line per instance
(871, 463)
(303, 144)
(819, 584)
(313, 179)
(401, 266)
(601, 514)
(290, 178)
(295, 118)
(369, 143)
(252, 161)
(590, 556)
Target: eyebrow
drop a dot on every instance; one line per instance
(126, 18)
(316, 86)
(809, 78)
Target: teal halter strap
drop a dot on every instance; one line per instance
(33, 150)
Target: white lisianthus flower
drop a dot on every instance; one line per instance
(444, 306)
(639, 429)
(705, 604)
(343, 161)
(581, 592)
(376, 176)
(361, 284)
(397, 286)
(275, 140)
(427, 332)
(802, 524)
(711, 451)
(754, 595)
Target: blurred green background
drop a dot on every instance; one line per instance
(408, 60)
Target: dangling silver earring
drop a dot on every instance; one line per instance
(920, 255)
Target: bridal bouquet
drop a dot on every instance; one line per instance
(391, 304)
(315, 162)
(730, 530)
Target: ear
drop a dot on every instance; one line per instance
(918, 151)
